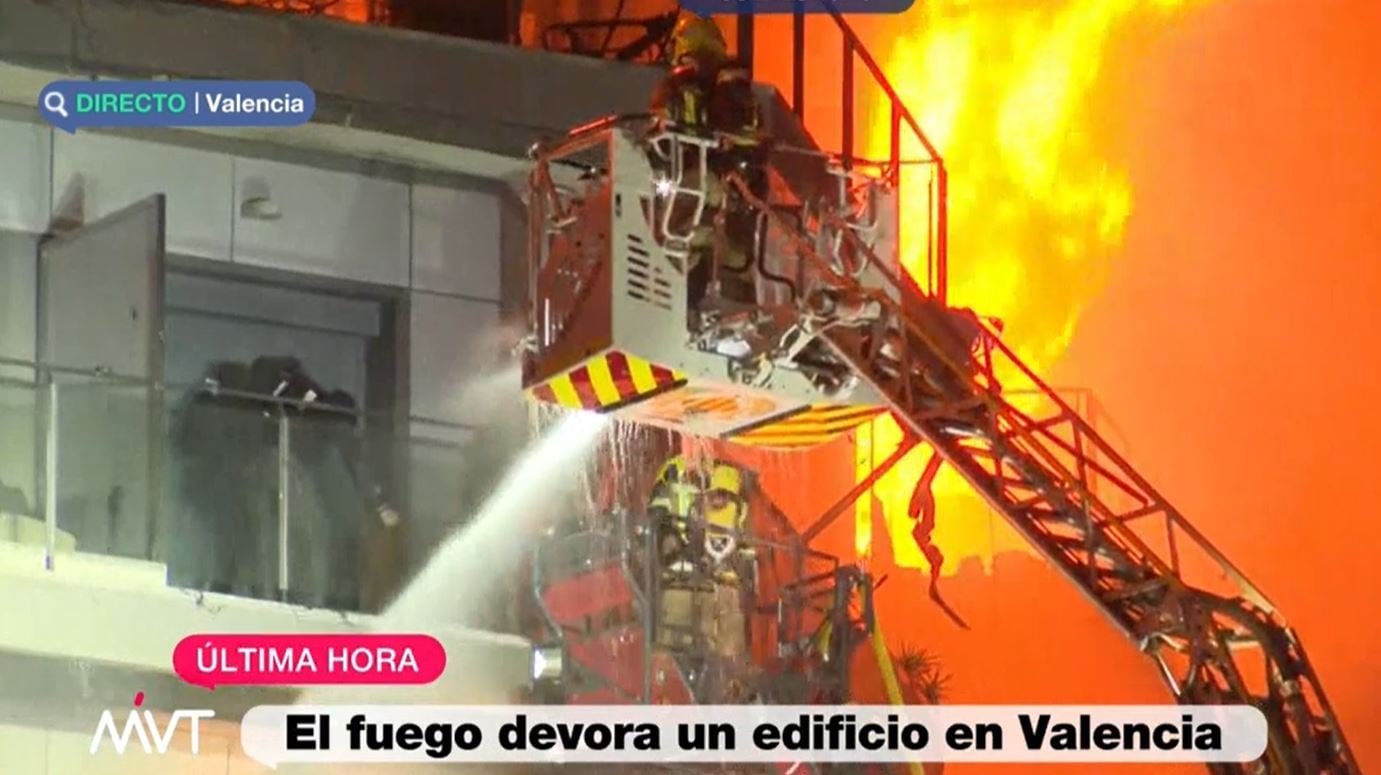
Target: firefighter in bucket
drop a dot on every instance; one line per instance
(700, 508)
(708, 92)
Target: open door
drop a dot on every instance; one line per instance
(100, 339)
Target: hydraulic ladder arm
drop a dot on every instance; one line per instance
(1131, 553)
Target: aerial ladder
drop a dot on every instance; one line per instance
(833, 332)
(1038, 470)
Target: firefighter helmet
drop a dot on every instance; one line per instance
(697, 37)
(675, 489)
(727, 478)
(713, 488)
(725, 508)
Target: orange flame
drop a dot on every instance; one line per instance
(1037, 210)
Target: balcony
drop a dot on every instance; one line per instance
(206, 490)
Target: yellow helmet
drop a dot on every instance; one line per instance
(675, 489)
(725, 507)
(727, 478)
(715, 486)
(697, 37)
(673, 470)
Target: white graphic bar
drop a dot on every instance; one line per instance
(276, 734)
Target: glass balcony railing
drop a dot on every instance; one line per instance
(234, 493)
(20, 521)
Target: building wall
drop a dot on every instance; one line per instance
(24, 210)
(440, 242)
(24, 203)
(435, 243)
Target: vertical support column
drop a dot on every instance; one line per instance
(847, 104)
(284, 484)
(864, 463)
(652, 608)
(745, 41)
(797, 602)
(843, 636)
(50, 477)
(894, 145)
(1090, 413)
(536, 252)
(798, 65)
(895, 171)
(942, 234)
(157, 535)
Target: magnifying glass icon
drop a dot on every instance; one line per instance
(56, 103)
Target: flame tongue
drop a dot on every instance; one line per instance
(1037, 210)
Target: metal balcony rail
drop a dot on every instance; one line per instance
(234, 491)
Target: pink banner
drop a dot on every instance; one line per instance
(299, 660)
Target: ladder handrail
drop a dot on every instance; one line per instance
(937, 258)
(1036, 480)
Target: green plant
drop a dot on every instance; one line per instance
(921, 672)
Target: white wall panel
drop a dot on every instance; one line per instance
(437, 467)
(454, 343)
(95, 175)
(18, 402)
(322, 222)
(24, 161)
(18, 295)
(455, 241)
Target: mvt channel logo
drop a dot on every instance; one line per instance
(143, 724)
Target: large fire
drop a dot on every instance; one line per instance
(1037, 208)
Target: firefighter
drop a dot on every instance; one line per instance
(725, 511)
(702, 514)
(708, 92)
(673, 500)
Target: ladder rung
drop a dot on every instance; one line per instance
(1135, 590)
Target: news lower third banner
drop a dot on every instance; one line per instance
(704, 734)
